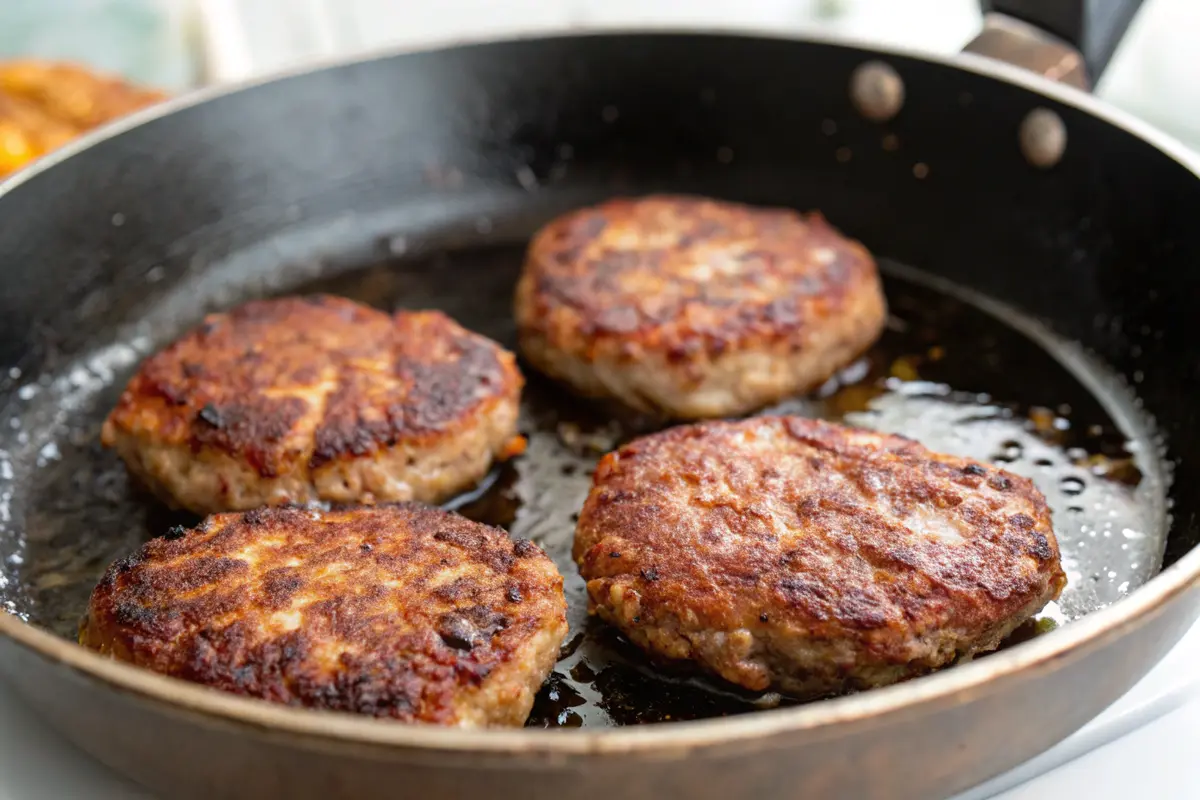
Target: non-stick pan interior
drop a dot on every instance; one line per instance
(433, 209)
(942, 373)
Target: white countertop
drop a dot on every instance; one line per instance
(1151, 732)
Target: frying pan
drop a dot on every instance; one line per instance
(1041, 269)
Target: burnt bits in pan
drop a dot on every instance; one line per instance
(692, 308)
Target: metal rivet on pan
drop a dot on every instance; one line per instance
(1043, 138)
(877, 91)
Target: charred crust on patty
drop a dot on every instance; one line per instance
(304, 399)
(175, 532)
(439, 393)
(523, 548)
(810, 557)
(292, 609)
(667, 302)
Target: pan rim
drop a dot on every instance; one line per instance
(962, 680)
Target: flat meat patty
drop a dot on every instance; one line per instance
(318, 399)
(695, 308)
(405, 612)
(810, 557)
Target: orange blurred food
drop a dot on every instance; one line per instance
(43, 105)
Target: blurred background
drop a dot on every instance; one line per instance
(175, 45)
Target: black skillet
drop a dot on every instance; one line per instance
(1041, 271)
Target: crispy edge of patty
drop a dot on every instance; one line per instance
(411, 406)
(804, 304)
(404, 611)
(856, 601)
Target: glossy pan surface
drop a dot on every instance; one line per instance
(1050, 307)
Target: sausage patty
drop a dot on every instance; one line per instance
(695, 308)
(317, 399)
(810, 557)
(406, 611)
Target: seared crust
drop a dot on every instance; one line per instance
(318, 398)
(799, 554)
(405, 611)
(694, 307)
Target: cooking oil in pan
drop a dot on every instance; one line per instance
(946, 372)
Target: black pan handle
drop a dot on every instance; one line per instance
(1067, 40)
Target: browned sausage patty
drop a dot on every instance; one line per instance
(317, 399)
(802, 555)
(407, 612)
(693, 307)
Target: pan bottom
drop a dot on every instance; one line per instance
(951, 370)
